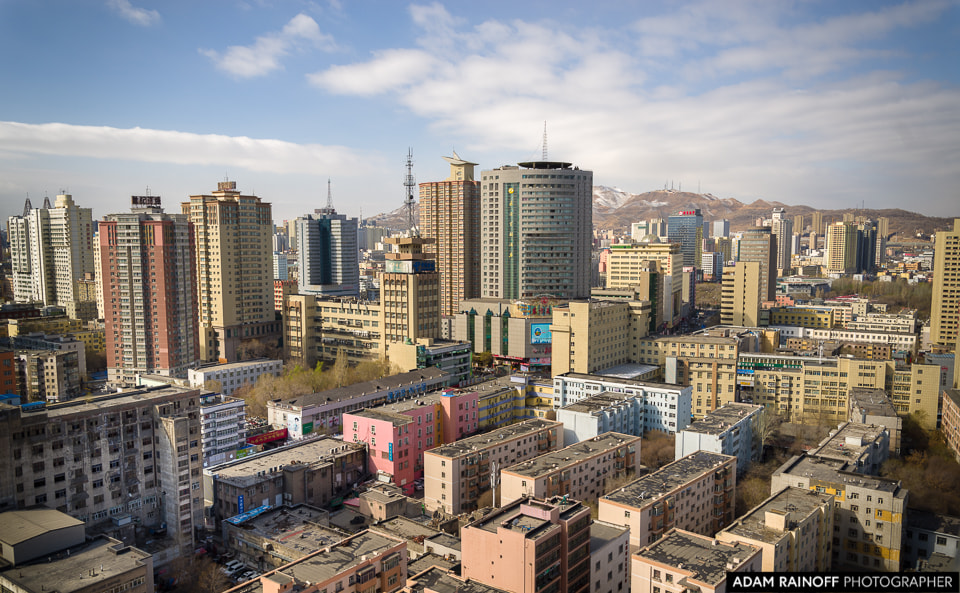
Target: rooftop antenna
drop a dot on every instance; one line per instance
(329, 197)
(544, 140)
(148, 190)
(46, 202)
(27, 206)
(409, 182)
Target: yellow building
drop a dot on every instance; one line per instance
(590, 336)
(740, 295)
(915, 389)
(945, 309)
(47, 325)
(629, 266)
(319, 329)
(802, 316)
(806, 389)
(234, 240)
(841, 257)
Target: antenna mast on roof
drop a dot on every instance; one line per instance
(409, 182)
(544, 141)
(329, 197)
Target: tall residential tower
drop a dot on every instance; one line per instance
(234, 238)
(945, 310)
(148, 261)
(450, 214)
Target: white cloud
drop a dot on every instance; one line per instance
(264, 55)
(137, 16)
(778, 129)
(183, 148)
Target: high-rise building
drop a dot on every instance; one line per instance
(686, 228)
(280, 266)
(234, 236)
(450, 214)
(945, 310)
(760, 245)
(816, 223)
(410, 291)
(51, 251)
(721, 228)
(536, 231)
(740, 300)
(657, 227)
(867, 245)
(883, 227)
(328, 259)
(798, 223)
(639, 230)
(841, 248)
(150, 299)
(782, 228)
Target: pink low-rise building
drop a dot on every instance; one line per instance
(397, 434)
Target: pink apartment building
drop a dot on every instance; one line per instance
(397, 434)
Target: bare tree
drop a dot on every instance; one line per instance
(765, 426)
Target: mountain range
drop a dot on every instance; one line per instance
(615, 209)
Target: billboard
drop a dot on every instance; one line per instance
(540, 333)
(267, 437)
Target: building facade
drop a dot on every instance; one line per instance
(580, 471)
(728, 430)
(740, 295)
(328, 257)
(695, 493)
(660, 283)
(223, 430)
(234, 375)
(234, 270)
(536, 231)
(456, 474)
(685, 561)
(597, 334)
(450, 214)
(686, 228)
(149, 261)
(945, 309)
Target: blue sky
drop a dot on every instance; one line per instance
(828, 104)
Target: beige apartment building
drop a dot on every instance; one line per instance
(531, 546)
(136, 452)
(868, 511)
(629, 266)
(684, 561)
(945, 309)
(450, 215)
(234, 238)
(579, 472)
(793, 529)
(740, 295)
(841, 248)
(707, 361)
(594, 335)
(695, 493)
(863, 447)
(455, 475)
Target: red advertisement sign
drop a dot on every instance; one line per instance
(268, 437)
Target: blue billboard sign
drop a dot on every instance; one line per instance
(390, 451)
(240, 504)
(540, 333)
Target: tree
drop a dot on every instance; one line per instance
(657, 449)
(213, 385)
(765, 427)
(482, 359)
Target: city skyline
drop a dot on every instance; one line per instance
(823, 105)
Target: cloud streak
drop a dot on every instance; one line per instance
(751, 108)
(137, 16)
(183, 148)
(265, 54)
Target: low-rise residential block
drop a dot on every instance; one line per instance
(278, 535)
(605, 412)
(232, 376)
(695, 493)
(683, 561)
(728, 430)
(223, 428)
(455, 475)
(863, 447)
(581, 471)
(793, 529)
(874, 406)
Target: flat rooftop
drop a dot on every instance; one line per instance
(439, 580)
(19, 526)
(721, 419)
(395, 418)
(874, 402)
(429, 562)
(703, 556)
(107, 558)
(796, 501)
(599, 402)
(514, 517)
(829, 471)
(849, 442)
(630, 370)
(618, 381)
(243, 472)
(933, 522)
(323, 565)
(554, 461)
(602, 533)
(383, 384)
(98, 403)
(954, 395)
(294, 527)
(667, 479)
(405, 528)
(237, 365)
(493, 438)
